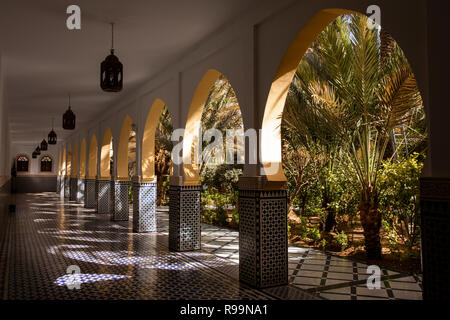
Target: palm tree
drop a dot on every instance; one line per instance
(221, 112)
(163, 150)
(358, 90)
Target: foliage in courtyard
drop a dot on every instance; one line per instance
(353, 91)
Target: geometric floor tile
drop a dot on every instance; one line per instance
(47, 234)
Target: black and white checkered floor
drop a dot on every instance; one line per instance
(46, 235)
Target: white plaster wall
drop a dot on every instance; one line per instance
(4, 132)
(34, 168)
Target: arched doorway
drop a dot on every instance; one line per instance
(74, 174)
(210, 172)
(81, 191)
(104, 179)
(152, 191)
(91, 191)
(344, 115)
(126, 163)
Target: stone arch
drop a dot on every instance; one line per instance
(59, 163)
(74, 170)
(193, 126)
(93, 154)
(69, 162)
(271, 125)
(83, 159)
(105, 158)
(122, 150)
(64, 164)
(148, 141)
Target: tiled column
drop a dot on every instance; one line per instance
(435, 226)
(120, 200)
(185, 214)
(66, 187)
(73, 189)
(144, 206)
(80, 190)
(103, 196)
(58, 184)
(90, 194)
(263, 243)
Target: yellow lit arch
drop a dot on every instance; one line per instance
(75, 161)
(148, 141)
(190, 139)
(271, 125)
(105, 156)
(69, 162)
(63, 164)
(83, 159)
(59, 164)
(93, 153)
(122, 151)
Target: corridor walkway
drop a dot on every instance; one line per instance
(46, 235)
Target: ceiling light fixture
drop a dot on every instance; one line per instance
(69, 119)
(52, 138)
(111, 70)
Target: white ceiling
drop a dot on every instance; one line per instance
(44, 61)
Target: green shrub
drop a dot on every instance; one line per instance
(342, 240)
(313, 234)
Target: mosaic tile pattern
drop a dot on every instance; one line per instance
(185, 218)
(81, 190)
(58, 184)
(435, 223)
(66, 187)
(144, 207)
(90, 194)
(46, 236)
(103, 196)
(73, 189)
(120, 195)
(263, 238)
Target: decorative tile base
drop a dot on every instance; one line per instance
(58, 184)
(90, 194)
(73, 189)
(66, 187)
(263, 243)
(120, 200)
(435, 226)
(144, 207)
(103, 196)
(185, 214)
(81, 190)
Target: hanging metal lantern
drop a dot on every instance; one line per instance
(38, 150)
(111, 70)
(69, 119)
(44, 145)
(52, 138)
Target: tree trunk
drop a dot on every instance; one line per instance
(371, 223)
(330, 221)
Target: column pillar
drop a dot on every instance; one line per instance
(144, 206)
(185, 216)
(435, 226)
(58, 184)
(66, 187)
(90, 194)
(73, 189)
(103, 196)
(81, 190)
(120, 200)
(263, 242)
